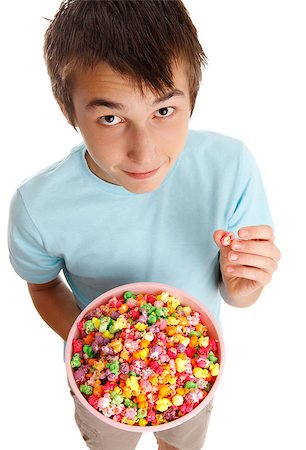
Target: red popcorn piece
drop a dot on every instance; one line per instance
(77, 345)
(190, 351)
(134, 314)
(93, 401)
(172, 352)
(81, 325)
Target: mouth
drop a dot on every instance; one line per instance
(142, 175)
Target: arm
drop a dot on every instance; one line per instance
(56, 305)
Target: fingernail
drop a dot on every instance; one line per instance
(237, 246)
(244, 233)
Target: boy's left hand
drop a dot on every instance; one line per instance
(256, 260)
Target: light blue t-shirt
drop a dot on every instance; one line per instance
(102, 236)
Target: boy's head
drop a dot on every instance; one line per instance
(132, 52)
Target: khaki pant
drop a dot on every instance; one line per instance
(100, 436)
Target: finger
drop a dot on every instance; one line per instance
(217, 237)
(264, 232)
(261, 248)
(250, 273)
(245, 259)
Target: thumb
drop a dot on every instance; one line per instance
(218, 234)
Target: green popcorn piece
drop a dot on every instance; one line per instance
(128, 402)
(117, 399)
(128, 295)
(142, 413)
(104, 323)
(113, 367)
(152, 319)
(86, 389)
(212, 357)
(89, 326)
(195, 333)
(75, 361)
(190, 385)
(88, 350)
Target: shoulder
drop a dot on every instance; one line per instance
(50, 180)
(214, 151)
(213, 143)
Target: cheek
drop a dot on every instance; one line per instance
(177, 133)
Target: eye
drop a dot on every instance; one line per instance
(109, 120)
(165, 112)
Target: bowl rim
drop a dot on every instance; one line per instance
(159, 287)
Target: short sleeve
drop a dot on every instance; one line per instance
(250, 204)
(27, 253)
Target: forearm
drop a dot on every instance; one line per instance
(239, 301)
(56, 305)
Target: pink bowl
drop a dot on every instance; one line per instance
(152, 288)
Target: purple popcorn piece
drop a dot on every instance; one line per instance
(124, 368)
(79, 374)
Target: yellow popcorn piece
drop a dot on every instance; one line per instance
(187, 310)
(173, 302)
(116, 345)
(141, 326)
(200, 373)
(154, 380)
(99, 365)
(214, 369)
(180, 364)
(128, 421)
(121, 323)
(184, 340)
(160, 419)
(143, 353)
(183, 321)
(148, 336)
(163, 404)
(164, 391)
(172, 321)
(203, 341)
(143, 422)
(107, 334)
(170, 379)
(132, 383)
(96, 322)
(127, 392)
(163, 296)
(177, 400)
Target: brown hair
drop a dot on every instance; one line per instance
(137, 38)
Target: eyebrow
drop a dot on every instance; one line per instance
(97, 102)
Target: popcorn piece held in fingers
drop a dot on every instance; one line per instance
(227, 238)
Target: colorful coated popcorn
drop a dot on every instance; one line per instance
(144, 359)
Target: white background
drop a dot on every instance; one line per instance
(253, 89)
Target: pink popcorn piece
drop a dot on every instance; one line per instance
(227, 238)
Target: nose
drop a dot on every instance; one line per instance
(142, 148)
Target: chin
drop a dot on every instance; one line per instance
(143, 188)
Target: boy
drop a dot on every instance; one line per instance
(142, 198)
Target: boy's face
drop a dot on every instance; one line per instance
(132, 139)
